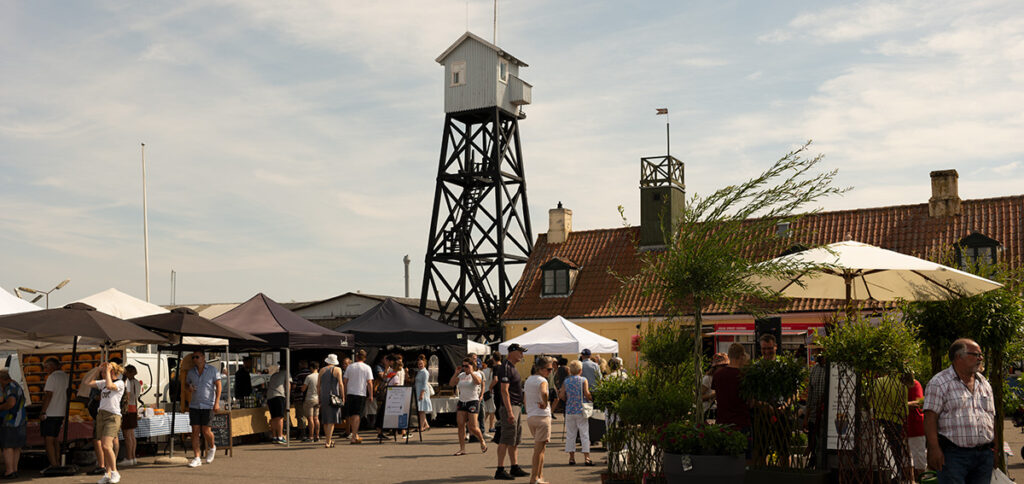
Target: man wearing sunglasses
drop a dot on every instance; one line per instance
(959, 417)
(204, 381)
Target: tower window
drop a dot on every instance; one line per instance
(458, 74)
(503, 70)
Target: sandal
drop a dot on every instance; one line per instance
(461, 452)
(588, 462)
(483, 448)
(572, 461)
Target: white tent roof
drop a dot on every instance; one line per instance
(10, 304)
(478, 348)
(121, 305)
(559, 336)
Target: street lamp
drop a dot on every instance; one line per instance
(43, 293)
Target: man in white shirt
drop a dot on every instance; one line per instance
(358, 381)
(55, 399)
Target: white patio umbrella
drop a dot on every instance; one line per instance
(858, 271)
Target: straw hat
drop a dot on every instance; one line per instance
(332, 359)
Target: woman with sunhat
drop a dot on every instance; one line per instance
(332, 388)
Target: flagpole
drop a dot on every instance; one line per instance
(145, 219)
(668, 140)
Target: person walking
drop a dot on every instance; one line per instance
(591, 369)
(358, 386)
(538, 414)
(55, 399)
(959, 418)
(331, 393)
(277, 404)
(14, 421)
(509, 399)
(108, 419)
(469, 384)
(487, 407)
(204, 382)
(130, 419)
(311, 402)
(732, 409)
(575, 392)
(423, 392)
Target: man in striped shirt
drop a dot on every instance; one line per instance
(959, 418)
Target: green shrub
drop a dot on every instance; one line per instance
(702, 439)
(888, 347)
(773, 381)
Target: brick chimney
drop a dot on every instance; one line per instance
(559, 224)
(945, 200)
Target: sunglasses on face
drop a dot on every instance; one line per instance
(196, 357)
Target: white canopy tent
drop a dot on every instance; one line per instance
(121, 305)
(559, 336)
(478, 348)
(10, 304)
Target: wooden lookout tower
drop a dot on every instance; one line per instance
(481, 220)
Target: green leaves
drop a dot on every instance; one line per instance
(773, 380)
(883, 348)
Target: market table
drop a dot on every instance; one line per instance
(159, 425)
(248, 421)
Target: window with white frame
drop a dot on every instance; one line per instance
(503, 70)
(458, 74)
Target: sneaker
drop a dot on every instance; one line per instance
(195, 462)
(517, 471)
(210, 454)
(125, 463)
(115, 477)
(104, 480)
(503, 475)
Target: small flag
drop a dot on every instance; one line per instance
(662, 111)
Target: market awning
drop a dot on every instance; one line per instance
(746, 332)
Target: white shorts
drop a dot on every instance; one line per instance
(918, 454)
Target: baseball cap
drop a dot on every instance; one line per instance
(516, 347)
(585, 352)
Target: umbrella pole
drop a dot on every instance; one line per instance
(288, 398)
(174, 408)
(67, 401)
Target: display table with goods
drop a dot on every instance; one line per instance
(248, 421)
(158, 425)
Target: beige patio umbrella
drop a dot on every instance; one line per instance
(853, 270)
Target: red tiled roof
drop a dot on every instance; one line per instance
(905, 228)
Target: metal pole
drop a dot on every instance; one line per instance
(668, 142)
(288, 397)
(494, 38)
(145, 219)
(406, 260)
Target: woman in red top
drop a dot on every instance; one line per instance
(915, 424)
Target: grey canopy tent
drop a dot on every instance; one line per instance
(280, 328)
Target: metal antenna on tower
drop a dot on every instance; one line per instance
(494, 37)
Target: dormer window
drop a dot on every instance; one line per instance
(458, 73)
(503, 70)
(559, 277)
(977, 250)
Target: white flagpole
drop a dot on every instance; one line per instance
(145, 220)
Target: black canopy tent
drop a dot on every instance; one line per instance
(280, 329)
(390, 323)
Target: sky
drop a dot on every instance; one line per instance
(292, 147)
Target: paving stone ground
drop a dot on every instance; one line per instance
(429, 461)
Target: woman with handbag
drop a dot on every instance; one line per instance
(332, 400)
(578, 409)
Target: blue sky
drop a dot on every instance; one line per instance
(291, 147)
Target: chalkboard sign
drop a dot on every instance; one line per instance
(397, 406)
(220, 424)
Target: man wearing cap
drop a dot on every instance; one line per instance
(591, 370)
(509, 402)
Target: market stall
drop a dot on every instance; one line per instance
(280, 329)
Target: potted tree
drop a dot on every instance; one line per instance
(702, 453)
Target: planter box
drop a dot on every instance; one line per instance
(793, 476)
(607, 478)
(703, 469)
